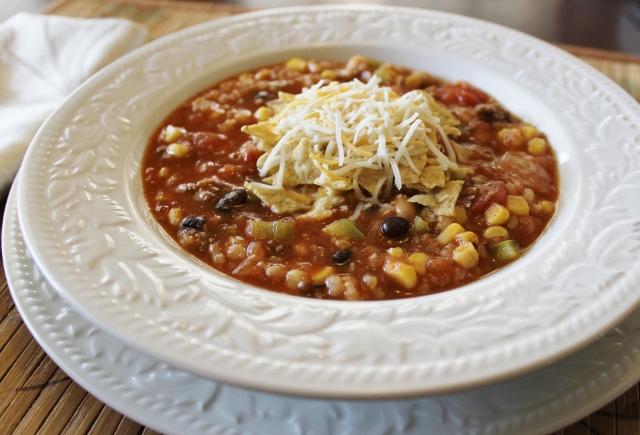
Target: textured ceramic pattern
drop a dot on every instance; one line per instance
(90, 234)
(175, 402)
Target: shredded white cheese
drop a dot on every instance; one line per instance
(356, 128)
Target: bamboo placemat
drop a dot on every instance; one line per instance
(37, 397)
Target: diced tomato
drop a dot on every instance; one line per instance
(227, 172)
(250, 152)
(495, 192)
(461, 94)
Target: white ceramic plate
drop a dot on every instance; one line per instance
(87, 226)
(175, 402)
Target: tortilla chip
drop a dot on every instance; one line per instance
(460, 173)
(408, 175)
(462, 153)
(264, 132)
(324, 205)
(302, 165)
(447, 197)
(424, 199)
(447, 119)
(443, 202)
(430, 178)
(280, 200)
(369, 178)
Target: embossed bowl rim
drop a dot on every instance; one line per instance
(86, 224)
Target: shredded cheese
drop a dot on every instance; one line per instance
(354, 127)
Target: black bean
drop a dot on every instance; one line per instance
(493, 113)
(342, 256)
(235, 198)
(395, 227)
(195, 222)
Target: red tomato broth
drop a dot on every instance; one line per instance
(220, 158)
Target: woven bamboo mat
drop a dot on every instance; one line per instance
(37, 397)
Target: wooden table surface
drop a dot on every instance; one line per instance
(38, 397)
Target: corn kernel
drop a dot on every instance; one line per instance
(262, 114)
(496, 214)
(297, 64)
(401, 273)
(175, 216)
(537, 146)
(163, 172)
(496, 231)
(466, 255)
(419, 261)
(395, 252)
(216, 114)
(460, 215)
(529, 131)
(177, 150)
(263, 74)
(468, 236)
(546, 206)
(328, 74)
(449, 233)
(517, 205)
(172, 134)
(321, 275)
(412, 81)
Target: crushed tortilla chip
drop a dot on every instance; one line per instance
(443, 201)
(324, 205)
(447, 197)
(280, 200)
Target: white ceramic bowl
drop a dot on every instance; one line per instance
(88, 228)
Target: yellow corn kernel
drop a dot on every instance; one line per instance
(466, 255)
(175, 216)
(297, 64)
(401, 273)
(419, 261)
(529, 131)
(517, 205)
(171, 133)
(537, 146)
(321, 275)
(395, 252)
(164, 172)
(505, 132)
(328, 74)
(177, 150)
(216, 114)
(496, 214)
(460, 215)
(412, 81)
(262, 114)
(496, 231)
(449, 233)
(468, 236)
(546, 206)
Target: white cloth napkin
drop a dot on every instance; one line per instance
(43, 58)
